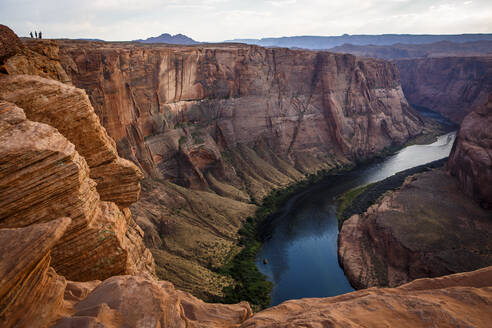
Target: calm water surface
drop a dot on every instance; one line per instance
(302, 252)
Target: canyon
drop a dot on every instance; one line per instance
(185, 141)
(452, 86)
(451, 78)
(215, 128)
(437, 223)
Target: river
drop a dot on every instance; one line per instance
(302, 250)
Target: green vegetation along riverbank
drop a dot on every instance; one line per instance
(358, 200)
(252, 285)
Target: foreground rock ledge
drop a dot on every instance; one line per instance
(459, 300)
(42, 178)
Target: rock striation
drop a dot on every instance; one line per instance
(405, 51)
(43, 177)
(53, 221)
(31, 293)
(471, 158)
(173, 110)
(452, 86)
(68, 109)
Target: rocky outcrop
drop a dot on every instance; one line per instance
(452, 86)
(42, 177)
(459, 300)
(68, 109)
(11, 44)
(471, 158)
(31, 293)
(128, 301)
(427, 228)
(40, 57)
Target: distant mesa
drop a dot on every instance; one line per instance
(170, 39)
(327, 42)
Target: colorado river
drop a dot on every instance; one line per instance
(302, 251)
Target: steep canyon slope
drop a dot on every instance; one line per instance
(216, 127)
(437, 223)
(452, 86)
(448, 77)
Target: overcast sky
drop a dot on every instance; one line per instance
(218, 20)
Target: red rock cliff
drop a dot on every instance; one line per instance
(300, 103)
(471, 158)
(452, 86)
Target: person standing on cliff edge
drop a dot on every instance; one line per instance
(40, 35)
(30, 33)
(36, 34)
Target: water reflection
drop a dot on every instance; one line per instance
(302, 251)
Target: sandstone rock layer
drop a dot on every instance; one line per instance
(42, 177)
(471, 158)
(11, 44)
(68, 109)
(459, 300)
(452, 86)
(31, 293)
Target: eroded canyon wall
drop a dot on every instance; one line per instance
(471, 158)
(437, 223)
(215, 127)
(452, 86)
(308, 108)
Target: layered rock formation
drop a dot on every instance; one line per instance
(39, 58)
(471, 158)
(68, 109)
(452, 86)
(43, 177)
(433, 225)
(153, 100)
(231, 122)
(31, 293)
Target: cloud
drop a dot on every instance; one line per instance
(218, 20)
(281, 3)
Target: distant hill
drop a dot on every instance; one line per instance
(327, 42)
(403, 51)
(170, 39)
